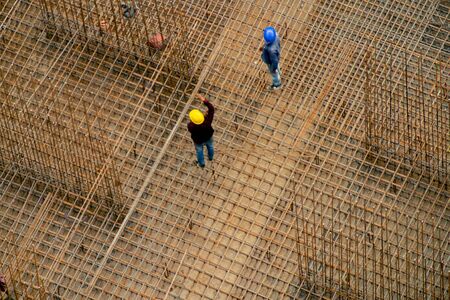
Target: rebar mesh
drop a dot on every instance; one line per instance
(297, 203)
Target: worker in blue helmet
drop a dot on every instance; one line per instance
(271, 55)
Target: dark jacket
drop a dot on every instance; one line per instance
(271, 54)
(203, 132)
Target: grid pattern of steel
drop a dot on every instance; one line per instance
(99, 194)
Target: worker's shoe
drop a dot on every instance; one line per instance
(197, 164)
(274, 87)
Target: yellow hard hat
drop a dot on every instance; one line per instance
(196, 116)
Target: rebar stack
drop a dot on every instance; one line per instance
(336, 186)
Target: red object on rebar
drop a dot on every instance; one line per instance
(104, 25)
(156, 41)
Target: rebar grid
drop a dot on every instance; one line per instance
(58, 153)
(293, 206)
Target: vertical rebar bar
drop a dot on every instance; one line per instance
(423, 116)
(155, 3)
(314, 246)
(356, 249)
(397, 244)
(416, 289)
(83, 18)
(364, 269)
(433, 258)
(297, 236)
(407, 268)
(441, 264)
(424, 269)
(408, 127)
(367, 107)
(374, 264)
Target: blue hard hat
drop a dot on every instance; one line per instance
(270, 35)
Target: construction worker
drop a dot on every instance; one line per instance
(129, 10)
(271, 55)
(3, 286)
(202, 131)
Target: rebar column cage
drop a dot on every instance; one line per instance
(407, 112)
(132, 27)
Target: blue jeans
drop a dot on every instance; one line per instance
(199, 151)
(276, 79)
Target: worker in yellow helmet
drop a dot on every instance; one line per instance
(202, 131)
